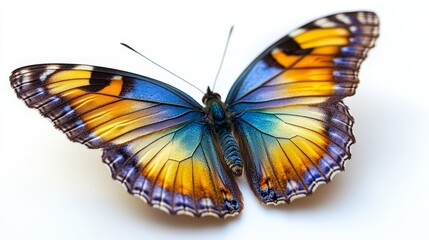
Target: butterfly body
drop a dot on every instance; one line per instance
(220, 121)
(283, 123)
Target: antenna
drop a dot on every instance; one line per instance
(132, 49)
(223, 56)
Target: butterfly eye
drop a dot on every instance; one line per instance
(210, 95)
(204, 99)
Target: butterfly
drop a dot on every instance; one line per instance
(283, 123)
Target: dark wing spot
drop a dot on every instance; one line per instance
(271, 62)
(268, 195)
(97, 82)
(291, 47)
(231, 205)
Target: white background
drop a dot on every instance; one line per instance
(51, 188)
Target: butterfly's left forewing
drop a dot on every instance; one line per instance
(294, 130)
(153, 136)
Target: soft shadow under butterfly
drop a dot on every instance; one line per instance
(283, 120)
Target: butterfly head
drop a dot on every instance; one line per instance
(210, 96)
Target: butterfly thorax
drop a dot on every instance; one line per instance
(221, 124)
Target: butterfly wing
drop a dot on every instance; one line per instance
(290, 150)
(293, 128)
(153, 136)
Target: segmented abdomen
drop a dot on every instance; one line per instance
(230, 151)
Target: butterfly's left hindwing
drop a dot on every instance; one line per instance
(178, 170)
(154, 137)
